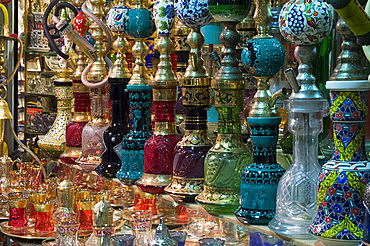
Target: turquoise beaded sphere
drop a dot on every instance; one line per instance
(263, 57)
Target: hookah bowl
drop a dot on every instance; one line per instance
(296, 197)
(113, 135)
(228, 156)
(188, 164)
(159, 148)
(263, 56)
(139, 25)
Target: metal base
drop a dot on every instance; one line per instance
(185, 189)
(153, 183)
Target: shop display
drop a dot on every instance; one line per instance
(140, 95)
(87, 180)
(263, 56)
(296, 194)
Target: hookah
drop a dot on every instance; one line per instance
(228, 156)
(120, 76)
(55, 139)
(140, 95)
(263, 56)
(81, 113)
(188, 165)
(38, 41)
(296, 193)
(348, 168)
(159, 149)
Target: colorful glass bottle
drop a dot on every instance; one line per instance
(159, 148)
(263, 56)
(228, 156)
(140, 95)
(119, 127)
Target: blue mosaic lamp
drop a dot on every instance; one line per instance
(296, 197)
(138, 24)
(263, 56)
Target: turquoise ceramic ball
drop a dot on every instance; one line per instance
(139, 23)
(263, 57)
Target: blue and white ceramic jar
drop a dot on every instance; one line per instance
(116, 18)
(164, 15)
(193, 13)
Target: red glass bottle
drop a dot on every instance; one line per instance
(159, 149)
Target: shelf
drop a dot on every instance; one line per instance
(45, 53)
(32, 133)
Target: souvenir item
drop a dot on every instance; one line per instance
(140, 95)
(120, 76)
(296, 197)
(228, 156)
(188, 165)
(159, 149)
(263, 56)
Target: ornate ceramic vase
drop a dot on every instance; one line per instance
(38, 41)
(119, 127)
(138, 24)
(159, 148)
(54, 141)
(228, 156)
(340, 209)
(188, 165)
(296, 197)
(263, 56)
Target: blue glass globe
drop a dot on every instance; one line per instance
(139, 23)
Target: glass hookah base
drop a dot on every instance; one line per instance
(153, 183)
(295, 229)
(108, 170)
(185, 189)
(254, 216)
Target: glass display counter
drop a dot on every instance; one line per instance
(189, 217)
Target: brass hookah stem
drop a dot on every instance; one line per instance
(262, 16)
(196, 68)
(140, 72)
(98, 70)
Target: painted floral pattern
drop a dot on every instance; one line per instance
(164, 15)
(193, 13)
(116, 18)
(305, 22)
